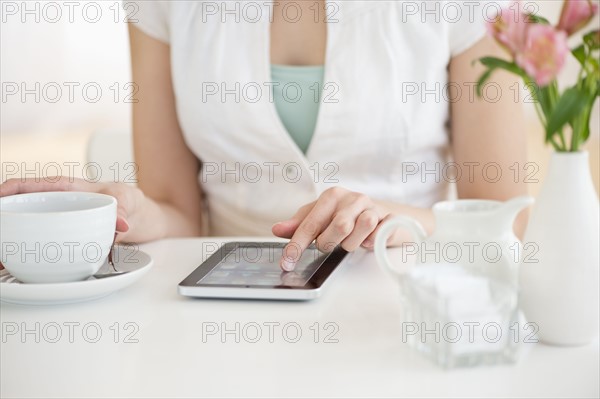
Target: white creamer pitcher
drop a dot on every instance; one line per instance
(475, 234)
(459, 302)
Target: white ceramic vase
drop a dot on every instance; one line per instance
(559, 273)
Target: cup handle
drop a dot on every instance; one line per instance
(388, 228)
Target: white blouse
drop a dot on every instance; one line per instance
(381, 128)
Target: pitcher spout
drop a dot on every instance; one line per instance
(509, 210)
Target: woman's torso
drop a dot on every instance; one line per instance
(381, 121)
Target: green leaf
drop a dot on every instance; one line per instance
(594, 64)
(483, 79)
(536, 19)
(569, 106)
(587, 114)
(586, 129)
(592, 39)
(493, 62)
(579, 54)
(545, 98)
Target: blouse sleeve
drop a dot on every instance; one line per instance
(151, 17)
(467, 20)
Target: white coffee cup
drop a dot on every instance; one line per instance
(51, 237)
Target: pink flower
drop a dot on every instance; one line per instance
(544, 53)
(510, 28)
(576, 14)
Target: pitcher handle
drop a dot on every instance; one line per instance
(385, 231)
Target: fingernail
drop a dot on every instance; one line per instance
(368, 243)
(282, 222)
(276, 224)
(123, 225)
(287, 265)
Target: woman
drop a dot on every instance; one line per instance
(227, 141)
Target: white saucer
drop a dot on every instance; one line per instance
(126, 258)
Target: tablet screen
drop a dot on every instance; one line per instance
(260, 266)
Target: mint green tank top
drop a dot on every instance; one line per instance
(297, 95)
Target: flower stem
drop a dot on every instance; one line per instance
(576, 134)
(562, 140)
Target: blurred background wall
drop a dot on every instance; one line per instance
(76, 56)
(85, 55)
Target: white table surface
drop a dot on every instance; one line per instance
(170, 358)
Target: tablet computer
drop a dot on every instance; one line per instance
(250, 270)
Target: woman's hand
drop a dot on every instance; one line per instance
(128, 198)
(338, 217)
